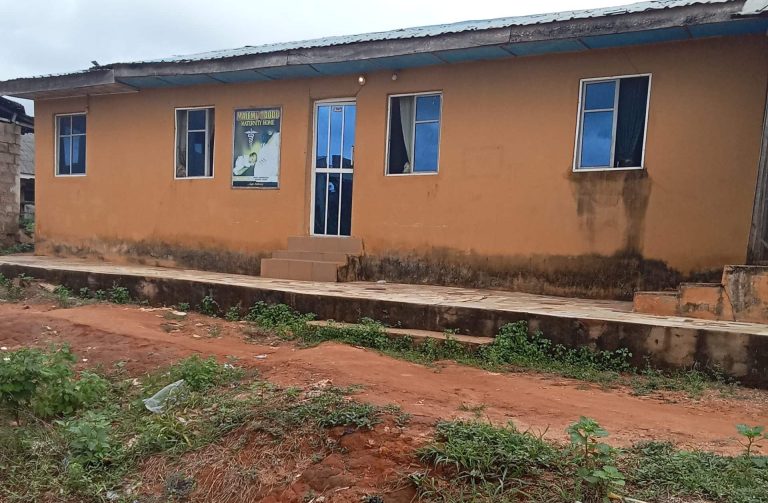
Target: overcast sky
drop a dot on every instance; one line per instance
(53, 36)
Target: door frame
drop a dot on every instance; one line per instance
(757, 247)
(313, 167)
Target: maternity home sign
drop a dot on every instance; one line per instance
(256, 151)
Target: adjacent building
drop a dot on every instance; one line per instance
(16, 163)
(588, 153)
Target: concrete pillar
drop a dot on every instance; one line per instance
(10, 190)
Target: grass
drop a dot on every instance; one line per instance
(102, 446)
(477, 461)
(515, 348)
(17, 248)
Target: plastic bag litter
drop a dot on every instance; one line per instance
(157, 402)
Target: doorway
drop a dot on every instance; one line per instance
(333, 163)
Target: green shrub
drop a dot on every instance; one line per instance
(45, 383)
(595, 459)
(89, 438)
(208, 306)
(63, 295)
(16, 288)
(233, 313)
(278, 317)
(119, 294)
(201, 374)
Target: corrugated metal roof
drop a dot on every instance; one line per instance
(434, 30)
(573, 31)
(27, 156)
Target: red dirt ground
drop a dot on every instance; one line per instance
(104, 334)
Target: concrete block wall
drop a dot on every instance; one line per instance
(10, 150)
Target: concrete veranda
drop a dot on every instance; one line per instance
(740, 349)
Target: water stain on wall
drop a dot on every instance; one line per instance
(620, 197)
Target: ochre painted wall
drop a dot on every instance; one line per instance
(505, 209)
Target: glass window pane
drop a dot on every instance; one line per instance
(321, 154)
(320, 191)
(428, 108)
(78, 124)
(337, 114)
(65, 147)
(346, 204)
(349, 135)
(196, 154)
(196, 119)
(65, 125)
(78, 155)
(600, 95)
(596, 140)
(333, 204)
(427, 141)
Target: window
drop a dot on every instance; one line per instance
(612, 123)
(70, 148)
(194, 142)
(414, 133)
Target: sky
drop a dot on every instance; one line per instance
(54, 36)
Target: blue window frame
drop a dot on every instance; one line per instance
(413, 141)
(70, 144)
(612, 123)
(194, 142)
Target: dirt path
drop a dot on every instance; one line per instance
(104, 334)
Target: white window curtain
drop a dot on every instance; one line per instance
(407, 121)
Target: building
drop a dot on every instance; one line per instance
(588, 153)
(16, 128)
(27, 177)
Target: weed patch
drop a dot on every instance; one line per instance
(476, 461)
(93, 436)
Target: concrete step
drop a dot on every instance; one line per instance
(347, 245)
(302, 270)
(656, 303)
(339, 257)
(702, 300)
(419, 336)
(746, 289)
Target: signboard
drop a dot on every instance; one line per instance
(256, 151)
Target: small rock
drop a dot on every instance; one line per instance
(48, 287)
(195, 336)
(325, 383)
(261, 357)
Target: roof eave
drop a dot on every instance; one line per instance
(573, 34)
